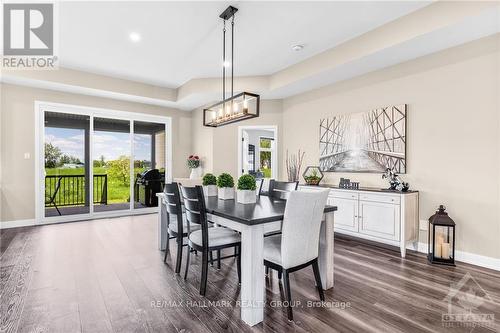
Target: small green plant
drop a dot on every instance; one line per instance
(209, 179)
(313, 178)
(247, 182)
(225, 180)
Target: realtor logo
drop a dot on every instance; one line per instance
(28, 36)
(28, 29)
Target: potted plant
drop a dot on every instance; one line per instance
(210, 185)
(246, 189)
(193, 163)
(312, 175)
(225, 184)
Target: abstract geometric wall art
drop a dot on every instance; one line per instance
(364, 142)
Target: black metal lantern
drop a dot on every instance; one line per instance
(441, 239)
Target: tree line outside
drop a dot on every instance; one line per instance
(117, 171)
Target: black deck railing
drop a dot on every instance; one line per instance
(72, 191)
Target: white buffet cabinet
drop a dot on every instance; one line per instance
(383, 216)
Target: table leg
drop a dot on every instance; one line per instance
(162, 225)
(252, 275)
(326, 251)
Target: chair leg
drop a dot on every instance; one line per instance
(204, 272)
(288, 295)
(318, 280)
(179, 256)
(188, 255)
(238, 265)
(167, 248)
(218, 259)
(211, 259)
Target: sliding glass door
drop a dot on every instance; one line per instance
(66, 164)
(98, 163)
(111, 164)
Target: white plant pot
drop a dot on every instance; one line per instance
(246, 196)
(196, 173)
(226, 193)
(210, 190)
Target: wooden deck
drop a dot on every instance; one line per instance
(108, 276)
(73, 210)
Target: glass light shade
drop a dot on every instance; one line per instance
(237, 108)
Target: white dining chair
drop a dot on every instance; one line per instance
(298, 245)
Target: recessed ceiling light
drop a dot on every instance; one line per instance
(297, 47)
(134, 36)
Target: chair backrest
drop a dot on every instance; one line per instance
(196, 212)
(259, 182)
(301, 227)
(173, 204)
(281, 190)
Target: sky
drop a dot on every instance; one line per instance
(108, 144)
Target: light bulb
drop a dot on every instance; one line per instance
(235, 107)
(221, 113)
(227, 64)
(228, 111)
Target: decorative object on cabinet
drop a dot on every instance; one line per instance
(245, 191)
(293, 165)
(209, 185)
(394, 181)
(312, 175)
(237, 107)
(364, 142)
(193, 163)
(225, 184)
(346, 183)
(441, 238)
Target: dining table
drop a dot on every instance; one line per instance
(253, 221)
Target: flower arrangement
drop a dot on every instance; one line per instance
(394, 181)
(193, 161)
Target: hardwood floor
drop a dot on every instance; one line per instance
(107, 275)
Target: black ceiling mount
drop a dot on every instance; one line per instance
(228, 13)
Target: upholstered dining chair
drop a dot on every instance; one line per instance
(177, 230)
(281, 190)
(205, 239)
(298, 245)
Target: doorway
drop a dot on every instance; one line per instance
(98, 163)
(258, 151)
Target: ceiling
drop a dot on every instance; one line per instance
(182, 40)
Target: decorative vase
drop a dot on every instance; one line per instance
(226, 193)
(246, 196)
(196, 173)
(210, 190)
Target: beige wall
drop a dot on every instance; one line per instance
(453, 147)
(218, 147)
(17, 137)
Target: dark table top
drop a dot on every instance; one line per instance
(265, 210)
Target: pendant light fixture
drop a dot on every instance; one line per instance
(237, 107)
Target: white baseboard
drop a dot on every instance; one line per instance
(17, 223)
(469, 258)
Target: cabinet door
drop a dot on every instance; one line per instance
(379, 220)
(346, 216)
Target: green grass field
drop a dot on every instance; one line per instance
(117, 191)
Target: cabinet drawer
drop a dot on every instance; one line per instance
(394, 199)
(344, 195)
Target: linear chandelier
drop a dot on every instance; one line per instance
(237, 107)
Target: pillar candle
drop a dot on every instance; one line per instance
(445, 250)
